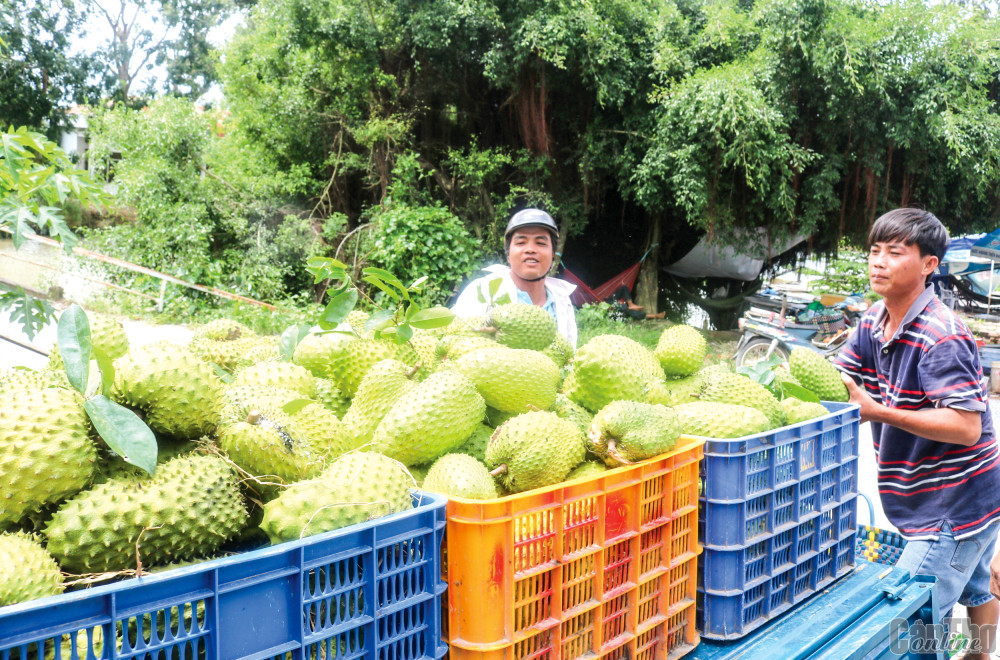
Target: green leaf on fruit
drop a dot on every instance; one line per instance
(432, 317)
(340, 305)
(799, 392)
(123, 431)
(290, 339)
(73, 337)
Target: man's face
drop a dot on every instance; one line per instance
(897, 270)
(531, 252)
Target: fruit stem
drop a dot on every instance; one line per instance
(499, 470)
(253, 416)
(412, 372)
(488, 330)
(615, 454)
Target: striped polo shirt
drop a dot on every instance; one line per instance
(931, 362)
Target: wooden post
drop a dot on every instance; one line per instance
(647, 287)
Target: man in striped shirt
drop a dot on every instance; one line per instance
(913, 367)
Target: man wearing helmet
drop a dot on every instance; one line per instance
(530, 243)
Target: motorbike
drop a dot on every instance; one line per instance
(767, 332)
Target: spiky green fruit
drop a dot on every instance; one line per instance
(27, 570)
(475, 444)
(179, 394)
(511, 380)
(797, 410)
(681, 350)
(223, 330)
(424, 344)
(188, 509)
(433, 418)
(676, 391)
(46, 453)
(783, 375)
(817, 375)
(357, 358)
(357, 319)
(560, 350)
(26, 379)
(611, 368)
(106, 335)
(276, 374)
(275, 447)
(460, 475)
(740, 390)
(238, 401)
(230, 355)
(587, 470)
(451, 347)
(495, 418)
(419, 473)
(517, 325)
(720, 420)
(572, 412)
(319, 351)
(326, 392)
(356, 487)
(624, 432)
(380, 388)
(533, 450)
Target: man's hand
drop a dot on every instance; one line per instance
(995, 575)
(859, 396)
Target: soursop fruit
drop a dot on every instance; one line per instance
(357, 358)
(817, 375)
(681, 350)
(318, 352)
(223, 330)
(26, 379)
(511, 380)
(452, 347)
(797, 410)
(230, 355)
(354, 488)
(495, 418)
(46, 453)
(676, 391)
(572, 412)
(188, 509)
(586, 470)
(534, 449)
(27, 570)
(475, 444)
(326, 392)
(430, 420)
(380, 388)
(460, 475)
(720, 420)
(274, 447)
(740, 390)
(517, 325)
(560, 350)
(106, 335)
(611, 368)
(357, 319)
(238, 401)
(179, 394)
(624, 432)
(276, 374)
(419, 473)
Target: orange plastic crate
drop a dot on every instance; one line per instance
(602, 567)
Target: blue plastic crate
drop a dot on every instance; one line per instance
(777, 520)
(371, 590)
(741, 468)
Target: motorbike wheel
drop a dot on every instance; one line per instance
(756, 350)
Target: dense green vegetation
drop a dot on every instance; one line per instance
(424, 123)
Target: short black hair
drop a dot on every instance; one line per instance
(911, 226)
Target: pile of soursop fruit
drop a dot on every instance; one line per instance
(252, 445)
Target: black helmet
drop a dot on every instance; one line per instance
(530, 218)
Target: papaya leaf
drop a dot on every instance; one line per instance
(123, 431)
(432, 317)
(30, 313)
(73, 337)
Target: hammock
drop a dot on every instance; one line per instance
(584, 294)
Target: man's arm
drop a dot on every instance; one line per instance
(959, 427)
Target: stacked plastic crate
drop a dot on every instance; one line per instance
(777, 520)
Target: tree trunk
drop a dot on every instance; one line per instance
(647, 286)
